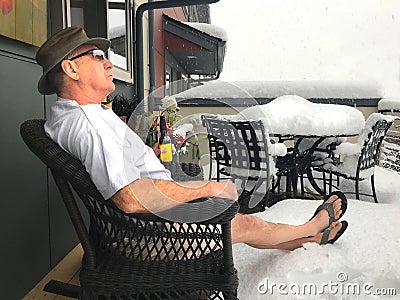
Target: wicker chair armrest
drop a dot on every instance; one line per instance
(200, 211)
(185, 171)
(151, 237)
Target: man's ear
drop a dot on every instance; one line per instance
(70, 69)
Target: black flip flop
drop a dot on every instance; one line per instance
(329, 207)
(326, 232)
(342, 197)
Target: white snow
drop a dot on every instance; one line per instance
(117, 31)
(351, 151)
(294, 115)
(309, 89)
(367, 252)
(301, 41)
(391, 104)
(309, 39)
(365, 257)
(209, 29)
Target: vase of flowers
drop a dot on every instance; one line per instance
(184, 139)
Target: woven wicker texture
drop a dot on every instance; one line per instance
(140, 256)
(185, 171)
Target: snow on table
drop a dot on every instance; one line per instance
(294, 115)
(389, 104)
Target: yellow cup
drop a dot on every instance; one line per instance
(166, 152)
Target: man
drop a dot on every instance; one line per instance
(123, 168)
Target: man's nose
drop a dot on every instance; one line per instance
(108, 64)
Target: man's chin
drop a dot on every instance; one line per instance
(112, 87)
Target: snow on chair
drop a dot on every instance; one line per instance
(239, 151)
(356, 161)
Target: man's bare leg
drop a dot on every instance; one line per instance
(258, 233)
(291, 245)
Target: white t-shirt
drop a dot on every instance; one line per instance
(111, 152)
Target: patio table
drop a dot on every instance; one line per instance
(307, 125)
(299, 159)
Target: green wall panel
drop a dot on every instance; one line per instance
(23, 180)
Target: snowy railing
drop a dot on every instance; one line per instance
(390, 150)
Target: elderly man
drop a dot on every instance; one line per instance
(76, 69)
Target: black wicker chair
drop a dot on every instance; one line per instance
(139, 256)
(240, 152)
(361, 166)
(185, 171)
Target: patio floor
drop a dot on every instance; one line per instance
(67, 270)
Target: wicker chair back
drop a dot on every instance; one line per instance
(139, 256)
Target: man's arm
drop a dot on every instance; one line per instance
(147, 194)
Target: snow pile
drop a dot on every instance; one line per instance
(209, 29)
(291, 114)
(309, 89)
(365, 254)
(391, 104)
(351, 151)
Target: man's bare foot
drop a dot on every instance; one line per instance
(336, 226)
(321, 219)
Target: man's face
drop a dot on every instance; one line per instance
(94, 72)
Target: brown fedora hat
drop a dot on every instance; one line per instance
(57, 47)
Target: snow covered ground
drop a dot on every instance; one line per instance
(347, 44)
(362, 264)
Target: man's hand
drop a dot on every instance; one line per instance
(157, 150)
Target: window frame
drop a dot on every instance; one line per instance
(96, 23)
(119, 73)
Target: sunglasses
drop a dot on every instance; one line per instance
(95, 52)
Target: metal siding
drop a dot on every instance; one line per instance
(23, 205)
(34, 224)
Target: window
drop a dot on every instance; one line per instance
(113, 22)
(119, 33)
(77, 14)
(24, 21)
(29, 20)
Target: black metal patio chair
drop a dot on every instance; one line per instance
(359, 160)
(239, 152)
(139, 256)
(390, 148)
(290, 167)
